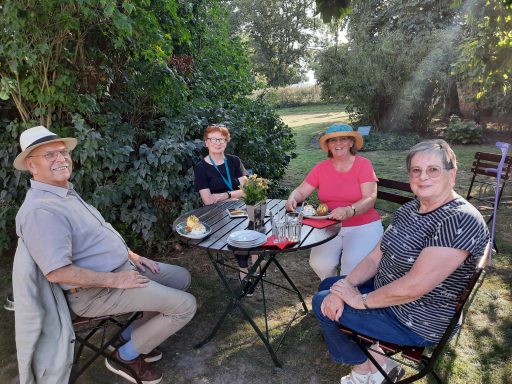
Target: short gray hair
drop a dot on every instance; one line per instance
(438, 147)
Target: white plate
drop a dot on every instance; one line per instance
(180, 228)
(314, 216)
(252, 244)
(245, 236)
(234, 213)
(248, 243)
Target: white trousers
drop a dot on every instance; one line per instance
(347, 249)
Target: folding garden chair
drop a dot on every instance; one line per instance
(87, 327)
(484, 186)
(419, 358)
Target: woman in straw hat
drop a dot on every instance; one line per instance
(347, 184)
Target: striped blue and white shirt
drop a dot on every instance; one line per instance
(456, 224)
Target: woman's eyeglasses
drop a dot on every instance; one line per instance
(217, 140)
(340, 138)
(431, 171)
(53, 155)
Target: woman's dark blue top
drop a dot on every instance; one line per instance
(206, 175)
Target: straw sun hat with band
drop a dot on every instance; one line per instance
(35, 137)
(337, 130)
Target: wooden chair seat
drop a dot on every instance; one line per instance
(408, 351)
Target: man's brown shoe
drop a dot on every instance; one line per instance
(150, 357)
(148, 373)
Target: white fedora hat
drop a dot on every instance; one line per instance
(35, 137)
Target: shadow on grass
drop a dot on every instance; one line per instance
(482, 351)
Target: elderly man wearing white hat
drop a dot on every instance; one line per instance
(347, 184)
(73, 246)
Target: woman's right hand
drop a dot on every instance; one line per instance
(300, 193)
(332, 307)
(291, 204)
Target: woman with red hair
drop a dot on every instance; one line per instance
(219, 175)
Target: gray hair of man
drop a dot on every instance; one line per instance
(437, 147)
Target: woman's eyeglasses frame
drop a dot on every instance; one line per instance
(339, 138)
(216, 140)
(432, 171)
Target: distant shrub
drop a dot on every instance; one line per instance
(293, 96)
(389, 141)
(463, 132)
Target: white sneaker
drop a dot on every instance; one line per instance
(392, 368)
(355, 378)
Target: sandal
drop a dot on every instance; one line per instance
(355, 378)
(392, 368)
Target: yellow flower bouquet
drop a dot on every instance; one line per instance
(255, 189)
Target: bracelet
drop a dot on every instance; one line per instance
(229, 194)
(364, 297)
(353, 210)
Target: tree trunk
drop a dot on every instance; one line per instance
(451, 101)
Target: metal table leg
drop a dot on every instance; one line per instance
(236, 297)
(292, 284)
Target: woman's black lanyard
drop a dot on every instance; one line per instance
(228, 182)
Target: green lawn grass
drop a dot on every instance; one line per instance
(481, 353)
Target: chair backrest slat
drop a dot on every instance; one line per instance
(484, 164)
(393, 191)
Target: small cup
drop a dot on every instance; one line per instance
(294, 225)
(279, 231)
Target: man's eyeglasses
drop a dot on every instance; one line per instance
(53, 155)
(432, 171)
(216, 140)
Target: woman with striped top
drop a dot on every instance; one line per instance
(405, 290)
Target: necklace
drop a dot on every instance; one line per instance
(227, 181)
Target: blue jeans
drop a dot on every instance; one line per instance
(379, 323)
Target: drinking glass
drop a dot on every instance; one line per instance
(293, 225)
(279, 231)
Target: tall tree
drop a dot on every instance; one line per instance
(480, 58)
(332, 10)
(485, 61)
(410, 45)
(279, 34)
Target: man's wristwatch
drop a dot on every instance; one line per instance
(229, 194)
(364, 297)
(353, 210)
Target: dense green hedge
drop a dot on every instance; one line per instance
(136, 83)
(389, 141)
